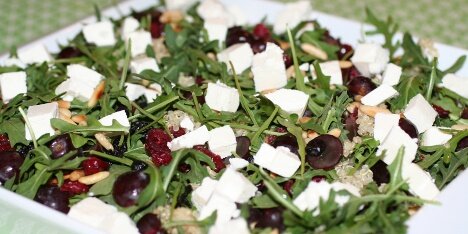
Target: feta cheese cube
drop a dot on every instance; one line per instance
(202, 194)
(216, 30)
(391, 75)
(39, 117)
(238, 163)
(433, 136)
(395, 139)
(197, 137)
(129, 25)
(240, 55)
(332, 69)
(419, 181)
(268, 69)
(290, 100)
(383, 123)
(305, 67)
(141, 64)
(81, 84)
(222, 141)
(235, 186)
(118, 223)
(221, 97)
(34, 54)
(64, 87)
(291, 16)
(12, 84)
(12, 62)
(234, 226)
(182, 5)
(134, 91)
(187, 124)
(370, 58)
(100, 33)
(153, 92)
(456, 84)
(140, 40)
(225, 209)
(78, 71)
(91, 211)
(379, 95)
(279, 161)
(211, 9)
(119, 116)
(420, 113)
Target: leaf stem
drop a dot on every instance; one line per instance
(28, 125)
(124, 161)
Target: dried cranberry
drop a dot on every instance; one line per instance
(217, 160)
(441, 111)
(93, 165)
(318, 179)
(156, 147)
(199, 80)
(287, 60)
(128, 186)
(261, 31)
(150, 224)
(350, 123)
(349, 73)
(74, 187)
(287, 186)
(5, 143)
(156, 28)
(10, 163)
(184, 167)
(177, 133)
(360, 85)
(52, 197)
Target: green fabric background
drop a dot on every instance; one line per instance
(446, 21)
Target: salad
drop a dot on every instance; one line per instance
(183, 119)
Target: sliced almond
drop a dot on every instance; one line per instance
(284, 45)
(80, 119)
(94, 178)
(336, 132)
(65, 112)
(63, 104)
(372, 110)
(304, 119)
(98, 91)
(67, 119)
(268, 91)
(102, 139)
(353, 106)
(358, 98)
(171, 16)
(74, 175)
(460, 127)
(345, 64)
(312, 134)
(314, 51)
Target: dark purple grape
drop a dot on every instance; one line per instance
(408, 127)
(150, 224)
(69, 52)
(128, 186)
(350, 123)
(53, 197)
(60, 146)
(243, 146)
(267, 218)
(10, 162)
(443, 113)
(349, 74)
(345, 50)
(288, 61)
(289, 141)
(463, 143)
(139, 165)
(324, 152)
(258, 45)
(380, 173)
(464, 114)
(330, 40)
(237, 35)
(307, 113)
(360, 85)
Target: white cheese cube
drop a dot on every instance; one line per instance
(433, 136)
(420, 113)
(238, 163)
(290, 100)
(129, 25)
(291, 16)
(379, 95)
(64, 87)
(134, 91)
(221, 97)
(370, 58)
(12, 84)
(396, 139)
(141, 64)
(383, 123)
(235, 186)
(268, 69)
(81, 84)
(391, 75)
(100, 33)
(280, 160)
(234, 226)
(197, 137)
(80, 72)
(118, 223)
(238, 16)
(332, 69)
(225, 209)
(119, 116)
(211, 9)
(12, 62)
(39, 117)
(240, 55)
(202, 194)
(139, 41)
(216, 30)
(222, 141)
(91, 211)
(187, 124)
(182, 5)
(34, 54)
(305, 67)
(420, 182)
(153, 92)
(456, 84)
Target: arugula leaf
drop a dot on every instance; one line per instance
(322, 80)
(387, 28)
(104, 187)
(395, 169)
(14, 128)
(93, 127)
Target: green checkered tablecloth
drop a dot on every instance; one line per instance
(22, 21)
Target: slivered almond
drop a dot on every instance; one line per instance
(98, 91)
(358, 98)
(65, 112)
(460, 127)
(67, 119)
(102, 139)
(284, 45)
(268, 91)
(74, 175)
(171, 16)
(312, 134)
(304, 119)
(80, 119)
(345, 64)
(335, 132)
(94, 178)
(372, 110)
(352, 106)
(314, 51)
(63, 104)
